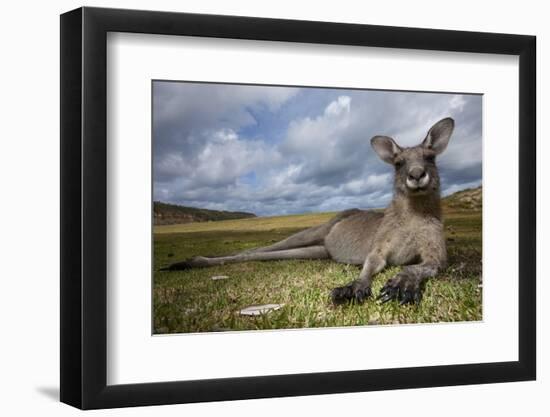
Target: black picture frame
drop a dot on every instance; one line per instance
(84, 207)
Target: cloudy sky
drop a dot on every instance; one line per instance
(281, 150)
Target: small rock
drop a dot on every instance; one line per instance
(258, 310)
(218, 277)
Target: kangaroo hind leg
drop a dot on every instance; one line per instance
(308, 252)
(313, 236)
(310, 240)
(310, 237)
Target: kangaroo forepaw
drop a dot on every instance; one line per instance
(402, 288)
(350, 292)
(196, 262)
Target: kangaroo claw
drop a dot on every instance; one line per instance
(401, 288)
(350, 292)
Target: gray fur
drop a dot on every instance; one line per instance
(408, 233)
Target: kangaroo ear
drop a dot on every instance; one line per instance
(386, 148)
(438, 136)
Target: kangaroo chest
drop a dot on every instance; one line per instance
(407, 240)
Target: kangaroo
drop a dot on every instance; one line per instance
(408, 233)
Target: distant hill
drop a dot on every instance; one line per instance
(164, 213)
(470, 198)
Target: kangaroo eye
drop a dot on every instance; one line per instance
(430, 158)
(398, 164)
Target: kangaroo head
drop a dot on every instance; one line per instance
(415, 169)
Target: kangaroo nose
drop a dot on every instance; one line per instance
(416, 173)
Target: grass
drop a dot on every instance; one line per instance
(189, 301)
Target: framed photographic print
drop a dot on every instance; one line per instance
(246, 202)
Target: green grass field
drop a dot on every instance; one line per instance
(189, 301)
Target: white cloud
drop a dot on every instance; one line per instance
(369, 184)
(322, 132)
(326, 147)
(457, 102)
(225, 157)
(339, 106)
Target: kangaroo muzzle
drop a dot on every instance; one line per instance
(417, 178)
